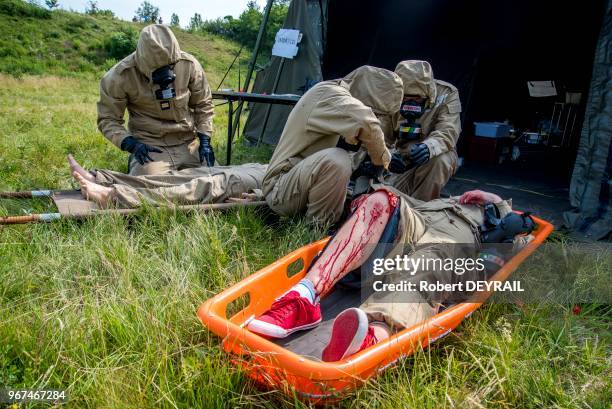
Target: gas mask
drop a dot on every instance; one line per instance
(164, 77)
(412, 108)
(496, 230)
(502, 230)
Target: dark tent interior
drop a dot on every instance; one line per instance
(536, 73)
(489, 50)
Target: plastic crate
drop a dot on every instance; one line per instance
(492, 129)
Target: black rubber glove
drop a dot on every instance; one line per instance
(368, 169)
(138, 149)
(207, 155)
(419, 154)
(397, 164)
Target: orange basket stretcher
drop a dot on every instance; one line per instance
(272, 363)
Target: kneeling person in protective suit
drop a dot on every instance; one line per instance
(309, 172)
(169, 102)
(240, 183)
(424, 131)
(408, 225)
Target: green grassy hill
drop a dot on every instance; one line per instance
(105, 308)
(77, 45)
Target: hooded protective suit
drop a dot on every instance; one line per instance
(308, 172)
(440, 125)
(173, 130)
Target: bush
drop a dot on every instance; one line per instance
(121, 44)
(73, 26)
(20, 8)
(104, 13)
(108, 64)
(245, 28)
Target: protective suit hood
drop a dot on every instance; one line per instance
(377, 88)
(418, 79)
(157, 46)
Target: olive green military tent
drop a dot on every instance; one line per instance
(489, 50)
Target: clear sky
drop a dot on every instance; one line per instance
(209, 9)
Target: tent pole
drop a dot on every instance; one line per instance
(247, 80)
(269, 107)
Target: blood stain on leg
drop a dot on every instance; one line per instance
(329, 272)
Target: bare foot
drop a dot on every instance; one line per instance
(99, 194)
(75, 167)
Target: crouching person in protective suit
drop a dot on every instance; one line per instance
(311, 166)
(169, 102)
(424, 131)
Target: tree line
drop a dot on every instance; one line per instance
(243, 29)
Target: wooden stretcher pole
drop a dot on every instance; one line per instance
(30, 218)
(27, 194)
(206, 207)
(48, 217)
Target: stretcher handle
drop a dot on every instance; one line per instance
(28, 194)
(30, 218)
(48, 217)
(16, 195)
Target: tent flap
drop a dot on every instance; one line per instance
(591, 184)
(298, 74)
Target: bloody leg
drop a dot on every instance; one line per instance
(354, 242)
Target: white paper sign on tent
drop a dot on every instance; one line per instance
(286, 43)
(542, 88)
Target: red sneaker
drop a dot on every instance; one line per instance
(288, 314)
(350, 334)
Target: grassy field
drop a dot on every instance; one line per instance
(105, 308)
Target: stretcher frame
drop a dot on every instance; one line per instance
(71, 205)
(273, 367)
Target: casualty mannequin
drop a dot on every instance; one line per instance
(107, 188)
(424, 131)
(169, 102)
(309, 173)
(411, 227)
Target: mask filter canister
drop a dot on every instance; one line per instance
(164, 77)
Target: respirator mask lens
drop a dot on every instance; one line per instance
(164, 76)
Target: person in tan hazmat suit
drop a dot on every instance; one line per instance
(308, 172)
(205, 184)
(424, 132)
(169, 102)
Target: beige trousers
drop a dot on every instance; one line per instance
(172, 158)
(401, 309)
(425, 182)
(315, 186)
(188, 186)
